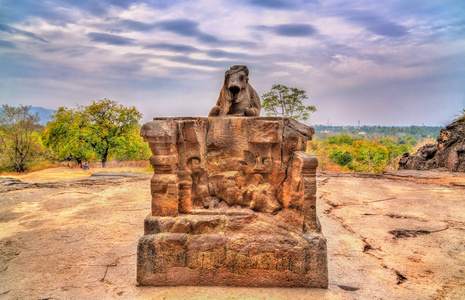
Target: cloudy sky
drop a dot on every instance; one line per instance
(380, 62)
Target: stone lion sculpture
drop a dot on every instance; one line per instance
(237, 96)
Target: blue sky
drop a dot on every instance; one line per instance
(380, 62)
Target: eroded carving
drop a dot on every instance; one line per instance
(254, 181)
(260, 172)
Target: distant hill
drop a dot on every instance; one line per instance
(44, 113)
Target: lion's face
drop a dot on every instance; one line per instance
(236, 82)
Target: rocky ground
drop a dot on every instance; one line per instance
(393, 236)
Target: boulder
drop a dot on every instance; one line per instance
(448, 153)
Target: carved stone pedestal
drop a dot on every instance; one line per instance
(233, 203)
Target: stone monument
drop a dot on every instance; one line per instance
(233, 198)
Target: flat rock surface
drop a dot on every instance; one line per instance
(388, 238)
(438, 176)
(100, 178)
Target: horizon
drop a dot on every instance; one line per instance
(380, 63)
(310, 124)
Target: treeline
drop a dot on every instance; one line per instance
(101, 131)
(360, 154)
(366, 148)
(418, 132)
(105, 130)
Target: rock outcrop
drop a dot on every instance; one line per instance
(448, 153)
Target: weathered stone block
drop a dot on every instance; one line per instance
(233, 203)
(211, 250)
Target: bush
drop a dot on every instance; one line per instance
(341, 158)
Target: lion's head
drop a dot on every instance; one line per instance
(235, 83)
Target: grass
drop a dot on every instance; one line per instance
(462, 117)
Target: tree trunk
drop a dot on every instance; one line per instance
(19, 167)
(104, 157)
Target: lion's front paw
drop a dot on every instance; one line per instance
(251, 112)
(215, 111)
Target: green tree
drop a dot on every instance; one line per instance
(286, 102)
(340, 139)
(99, 131)
(369, 156)
(66, 136)
(109, 127)
(408, 140)
(19, 140)
(396, 149)
(342, 158)
(133, 148)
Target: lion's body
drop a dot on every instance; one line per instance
(237, 97)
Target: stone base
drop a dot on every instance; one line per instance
(230, 247)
